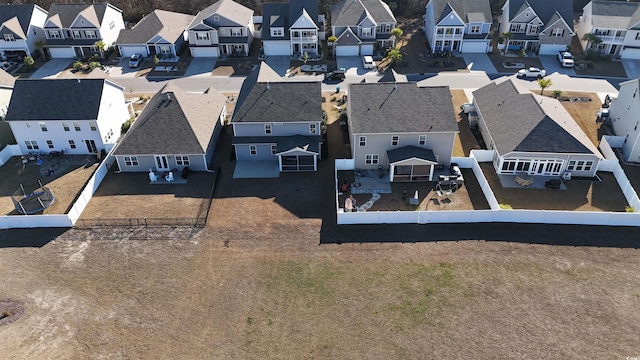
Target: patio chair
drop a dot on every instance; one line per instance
(169, 176)
(152, 176)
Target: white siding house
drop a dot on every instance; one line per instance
(462, 26)
(624, 114)
(20, 30)
(616, 24)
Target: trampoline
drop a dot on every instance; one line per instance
(34, 201)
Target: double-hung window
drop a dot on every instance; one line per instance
(312, 129)
(395, 140)
(131, 161)
(371, 159)
(363, 141)
(182, 160)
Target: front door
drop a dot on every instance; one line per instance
(162, 163)
(296, 48)
(613, 49)
(91, 146)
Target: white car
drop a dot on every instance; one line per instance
(368, 63)
(532, 72)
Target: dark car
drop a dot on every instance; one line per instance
(336, 76)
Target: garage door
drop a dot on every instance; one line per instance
(204, 51)
(473, 47)
(347, 50)
(631, 54)
(62, 53)
(551, 49)
(127, 51)
(366, 50)
(277, 50)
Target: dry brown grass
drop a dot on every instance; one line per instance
(584, 113)
(465, 141)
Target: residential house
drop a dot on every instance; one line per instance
(616, 24)
(541, 26)
(458, 25)
(6, 89)
(532, 134)
(175, 130)
(70, 115)
(292, 28)
(21, 31)
(161, 33)
(73, 29)
(624, 115)
(223, 29)
(278, 121)
(362, 26)
(401, 127)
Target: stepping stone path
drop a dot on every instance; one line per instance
(366, 206)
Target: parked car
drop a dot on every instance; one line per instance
(335, 76)
(368, 63)
(565, 58)
(532, 72)
(135, 60)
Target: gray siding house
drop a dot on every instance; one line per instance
(458, 25)
(278, 121)
(531, 134)
(541, 26)
(401, 127)
(362, 26)
(175, 130)
(160, 33)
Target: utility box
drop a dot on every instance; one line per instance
(466, 108)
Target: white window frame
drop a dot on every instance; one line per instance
(32, 145)
(366, 31)
(131, 161)
(422, 140)
(274, 149)
(76, 34)
(372, 159)
(93, 126)
(277, 32)
(72, 144)
(395, 140)
(50, 144)
(313, 129)
(253, 150)
(557, 32)
(182, 160)
(65, 125)
(202, 35)
(43, 126)
(54, 34)
(112, 24)
(9, 37)
(76, 126)
(90, 34)
(236, 32)
(268, 130)
(362, 141)
(475, 29)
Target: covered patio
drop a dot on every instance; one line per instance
(411, 163)
(298, 153)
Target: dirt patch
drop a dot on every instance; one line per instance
(11, 311)
(584, 113)
(465, 140)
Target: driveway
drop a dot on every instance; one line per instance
(353, 65)
(279, 64)
(201, 66)
(51, 69)
(632, 68)
(479, 62)
(122, 70)
(551, 64)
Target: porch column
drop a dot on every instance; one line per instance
(391, 172)
(280, 162)
(431, 172)
(315, 162)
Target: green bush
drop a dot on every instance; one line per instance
(126, 125)
(94, 64)
(78, 65)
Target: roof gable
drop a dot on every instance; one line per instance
(304, 22)
(70, 15)
(12, 26)
(87, 18)
(450, 18)
(383, 108)
(350, 12)
(22, 14)
(472, 10)
(223, 13)
(348, 38)
(160, 26)
(543, 8)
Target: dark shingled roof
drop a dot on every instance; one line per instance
(174, 122)
(56, 99)
(231, 13)
(521, 121)
(167, 24)
(63, 15)
(283, 143)
(468, 10)
(351, 12)
(284, 15)
(409, 152)
(615, 14)
(281, 102)
(384, 108)
(262, 73)
(23, 15)
(545, 9)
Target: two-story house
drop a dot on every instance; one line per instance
(532, 134)
(541, 26)
(291, 28)
(222, 29)
(458, 25)
(616, 24)
(624, 115)
(406, 129)
(20, 30)
(361, 26)
(73, 29)
(160, 33)
(277, 124)
(175, 130)
(70, 115)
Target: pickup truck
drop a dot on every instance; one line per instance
(565, 58)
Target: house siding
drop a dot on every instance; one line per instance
(283, 129)
(547, 39)
(263, 152)
(440, 143)
(109, 36)
(145, 162)
(549, 156)
(624, 117)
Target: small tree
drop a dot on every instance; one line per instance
(544, 83)
(156, 60)
(395, 55)
(591, 39)
(507, 35)
(100, 45)
(397, 33)
(522, 54)
(332, 39)
(28, 62)
(305, 57)
(557, 93)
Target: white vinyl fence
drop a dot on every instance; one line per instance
(496, 214)
(90, 189)
(8, 152)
